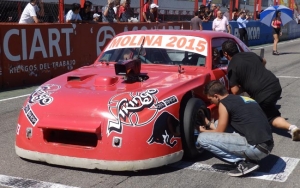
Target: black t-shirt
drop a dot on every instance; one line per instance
(85, 16)
(248, 119)
(247, 70)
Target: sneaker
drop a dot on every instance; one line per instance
(295, 132)
(243, 168)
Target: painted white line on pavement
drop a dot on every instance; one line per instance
(269, 45)
(288, 77)
(17, 182)
(1, 100)
(279, 172)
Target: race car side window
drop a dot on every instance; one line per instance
(217, 58)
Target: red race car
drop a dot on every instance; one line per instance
(135, 108)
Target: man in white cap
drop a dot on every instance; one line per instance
(96, 17)
(153, 15)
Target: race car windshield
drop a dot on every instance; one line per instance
(155, 56)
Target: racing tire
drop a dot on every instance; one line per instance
(190, 121)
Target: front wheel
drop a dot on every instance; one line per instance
(191, 120)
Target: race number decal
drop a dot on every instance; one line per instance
(18, 129)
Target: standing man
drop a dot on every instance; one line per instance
(125, 12)
(221, 23)
(109, 14)
(252, 140)
(146, 11)
(96, 17)
(153, 14)
(29, 14)
(247, 72)
(85, 12)
(73, 15)
(242, 21)
(214, 10)
(196, 22)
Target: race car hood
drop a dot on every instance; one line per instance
(90, 94)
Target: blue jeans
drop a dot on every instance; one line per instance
(231, 147)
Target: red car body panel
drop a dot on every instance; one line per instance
(95, 104)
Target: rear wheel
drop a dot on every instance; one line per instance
(191, 120)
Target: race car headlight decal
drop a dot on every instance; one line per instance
(117, 142)
(28, 132)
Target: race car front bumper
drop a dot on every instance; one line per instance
(100, 164)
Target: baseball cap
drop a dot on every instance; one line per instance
(153, 5)
(96, 15)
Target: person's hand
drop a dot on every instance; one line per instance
(202, 129)
(148, 21)
(280, 34)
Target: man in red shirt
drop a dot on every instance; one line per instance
(146, 11)
(125, 12)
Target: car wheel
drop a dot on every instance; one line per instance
(192, 118)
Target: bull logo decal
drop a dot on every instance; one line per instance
(164, 130)
(125, 108)
(135, 109)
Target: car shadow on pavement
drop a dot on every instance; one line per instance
(153, 171)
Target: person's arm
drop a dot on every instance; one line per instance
(213, 25)
(41, 12)
(222, 121)
(264, 61)
(228, 26)
(272, 23)
(105, 11)
(201, 27)
(236, 90)
(35, 19)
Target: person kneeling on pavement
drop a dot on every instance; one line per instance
(252, 139)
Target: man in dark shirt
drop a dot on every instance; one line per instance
(196, 22)
(153, 14)
(85, 12)
(247, 72)
(252, 140)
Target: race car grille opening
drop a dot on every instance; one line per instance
(74, 138)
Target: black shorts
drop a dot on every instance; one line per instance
(276, 31)
(269, 106)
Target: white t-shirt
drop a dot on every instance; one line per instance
(71, 16)
(220, 24)
(28, 13)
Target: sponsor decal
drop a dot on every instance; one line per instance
(187, 43)
(135, 109)
(41, 96)
(32, 118)
(164, 130)
(253, 33)
(69, 64)
(50, 48)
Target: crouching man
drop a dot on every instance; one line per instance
(252, 138)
